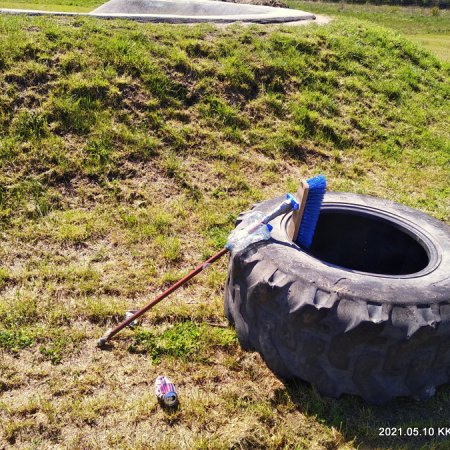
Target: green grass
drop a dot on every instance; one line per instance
(429, 27)
(439, 44)
(53, 5)
(185, 341)
(14, 340)
(126, 152)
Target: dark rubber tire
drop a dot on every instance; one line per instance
(346, 330)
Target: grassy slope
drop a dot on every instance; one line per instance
(426, 26)
(126, 152)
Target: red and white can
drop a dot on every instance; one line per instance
(165, 391)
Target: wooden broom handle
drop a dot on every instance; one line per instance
(296, 219)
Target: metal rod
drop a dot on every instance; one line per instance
(110, 333)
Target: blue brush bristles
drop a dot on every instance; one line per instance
(317, 187)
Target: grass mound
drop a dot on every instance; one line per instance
(126, 152)
(84, 102)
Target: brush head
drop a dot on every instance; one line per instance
(317, 187)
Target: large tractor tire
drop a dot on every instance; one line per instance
(365, 311)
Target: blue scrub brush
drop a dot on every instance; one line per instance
(304, 220)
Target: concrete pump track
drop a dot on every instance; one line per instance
(182, 11)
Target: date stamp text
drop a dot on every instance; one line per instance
(414, 431)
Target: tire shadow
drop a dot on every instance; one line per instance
(402, 423)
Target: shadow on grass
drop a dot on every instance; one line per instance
(403, 423)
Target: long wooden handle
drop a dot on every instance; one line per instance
(110, 333)
(296, 219)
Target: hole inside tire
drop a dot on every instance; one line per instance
(367, 243)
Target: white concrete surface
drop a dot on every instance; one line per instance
(182, 11)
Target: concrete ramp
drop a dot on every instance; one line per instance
(197, 11)
(183, 11)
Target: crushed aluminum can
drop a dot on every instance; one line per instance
(165, 391)
(129, 314)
